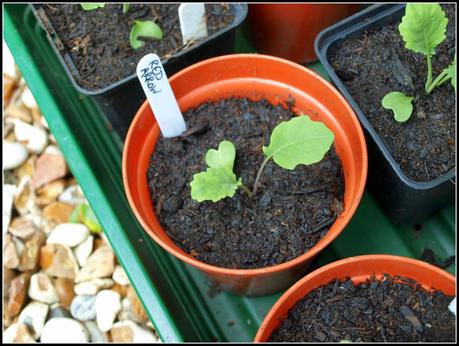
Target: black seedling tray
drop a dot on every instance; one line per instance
(404, 200)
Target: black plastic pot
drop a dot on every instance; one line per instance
(121, 100)
(404, 200)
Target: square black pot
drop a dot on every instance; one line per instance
(121, 100)
(404, 200)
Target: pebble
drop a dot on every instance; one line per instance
(30, 255)
(100, 264)
(108, 305)
(28, 99)
(17, 294)
(58, 212)
(64, 330)
(36, 138)
(119, 276)
(48, 193)
(83, 308)
(128, 331)
(48, 167)
(83, 250)
(58, 260)
(15, 154)
(34, 316)
(9, 191)
(72, 195)
(65, 290)
(22, 227)
(69, 234)
(41, 289)
(95, 334)
(91, 287)
(136, 306)
(17, 332)
(10, 255)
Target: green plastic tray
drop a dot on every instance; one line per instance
(180, 300)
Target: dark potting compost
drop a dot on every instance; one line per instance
(371, 66)
(98, 40)
(391, 309)
(290, 213)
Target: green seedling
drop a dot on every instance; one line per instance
(144, 29)
(400, 104)
(422, 29)
(84, 214)
(297, 141)
(140, 31)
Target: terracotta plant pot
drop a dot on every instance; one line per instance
(289, 30)
(255, 77)
(358, 269)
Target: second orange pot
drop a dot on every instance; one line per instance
(358, 269)
(255, 77)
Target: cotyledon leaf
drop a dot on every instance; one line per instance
(223, 157)
(214, 184)
(299, 141)
(400, 104)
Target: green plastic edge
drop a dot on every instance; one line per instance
(162, 321)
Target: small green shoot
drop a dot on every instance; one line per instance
(218, 181)
(84, 214)
(89, 6)
(144, 29)
(297, 141)
(423, 28)
(125, 8)
(400, 104)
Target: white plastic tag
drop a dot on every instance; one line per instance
(193, 23)
(452, 306)
(155, 84)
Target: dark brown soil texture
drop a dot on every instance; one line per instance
(387, 310)
(291, 212)
(424, 146)
(98, 40)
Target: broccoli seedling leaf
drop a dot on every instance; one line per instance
(88, 6)
(423, 27)
(214, 184)
(146, 28)
(400, 104)
(451, 73)
(223, 157)
(299, 141)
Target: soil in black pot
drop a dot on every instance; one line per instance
(98, 40)
(424, 146)
(373, 311)
(291, 212)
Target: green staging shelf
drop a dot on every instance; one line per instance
(180, 301)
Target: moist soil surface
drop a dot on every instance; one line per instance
(424, 146)
(291, 212)
(373, 311)
(98, 40)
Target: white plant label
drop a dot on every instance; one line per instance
(193, 23)
(163, 103)
(452, 306)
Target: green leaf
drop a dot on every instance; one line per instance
(423, 27)
(84, 214)
(223, 157)
(299, 141)
(144, 29)
(88, 6)
(125, 8)
(214, 184)
(451, 72)
(400, 104)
